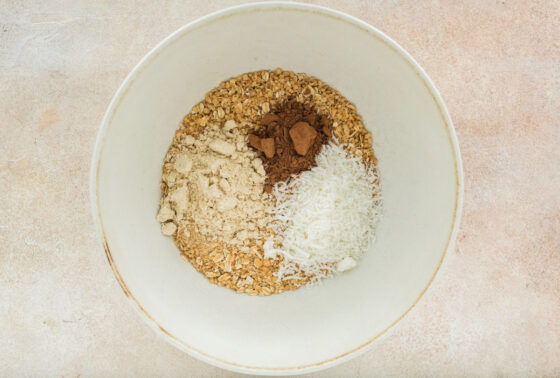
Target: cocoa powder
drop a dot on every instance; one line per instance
(290, 137)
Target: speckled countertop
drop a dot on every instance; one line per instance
(495, 307)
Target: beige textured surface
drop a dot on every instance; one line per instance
(495, 307)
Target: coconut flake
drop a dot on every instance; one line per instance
(325, 218)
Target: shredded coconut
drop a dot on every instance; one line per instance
(325, 218)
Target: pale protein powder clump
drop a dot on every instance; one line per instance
(325, 218)
(215, 184)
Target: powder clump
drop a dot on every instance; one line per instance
(302, 136)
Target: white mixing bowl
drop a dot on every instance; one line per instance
(419, 164)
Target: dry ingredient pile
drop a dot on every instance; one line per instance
(290, 138)
(217, 181)
(270, 184)
(313, 237)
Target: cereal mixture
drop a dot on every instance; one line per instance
(249, 134)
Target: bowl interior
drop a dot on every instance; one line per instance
(420, 178)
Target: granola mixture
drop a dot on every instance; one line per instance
(237, 106)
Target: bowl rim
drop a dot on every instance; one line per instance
(123, 89)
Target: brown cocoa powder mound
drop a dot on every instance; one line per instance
(278, 126)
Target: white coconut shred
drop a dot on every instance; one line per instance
(325, 218)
